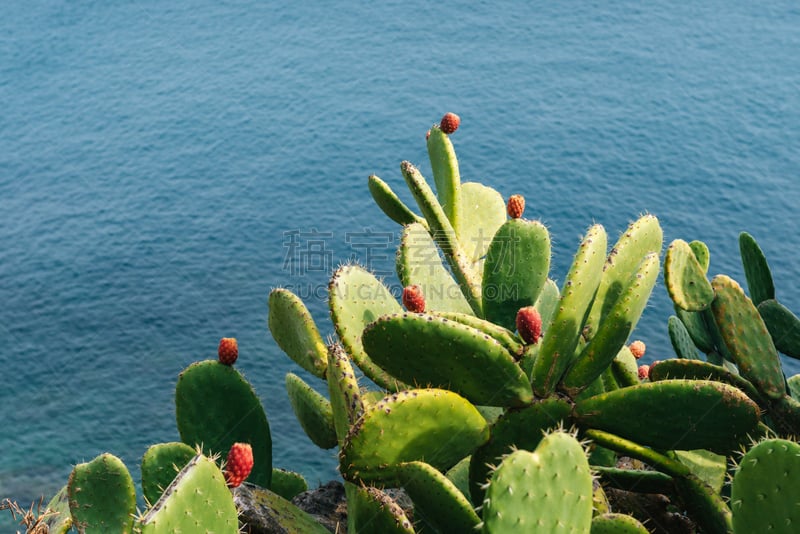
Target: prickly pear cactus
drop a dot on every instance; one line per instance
(160, 464)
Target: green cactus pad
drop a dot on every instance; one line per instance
(445, 174)
(487, 212)
(516, 429)
(102, 497)
(515, 271)
(160, 464)
(638, 480)
(699, 331)
(436, 499)
(506, 338)
(702, 253)
(295, 332)
(431, 425)
(444, 234)
(625, 368)
(390, 204)
(561, 337)
(216, 407)
(459, 475)
(198, 500)
(356, 298)
(426, 349)
(793, 383)
(346, 402)
(371, 510)
(674, 414)
(617, 524)
(709, 467)
(313, 412)
(418, 263)
(700, 370)
(747, 338)
(785, 415)
(57, 516)
(756, 270)
(681, 340)
(547, 303)
(288, 484)
(685, 278)
(641, 238)
(549, 490)
(613, 332)
(783, 326)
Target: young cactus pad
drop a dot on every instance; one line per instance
(312, 410)
(216, 407)
(548, 490)
(295, 332)
(198, 500)
(685, 278)
(102, 497)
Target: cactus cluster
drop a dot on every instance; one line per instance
(489, 356)
(461, 394)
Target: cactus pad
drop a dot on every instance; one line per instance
(418, 263)
(426, 349)
(216, 407)
(674, 414)
(390, 204)
(685, 278)
(487, 212)
(57, 516)
(371, 510)
(548, 490)
(356, 298)
(765, 496)
(617, 524)
(346, 402)
(312, 410)
(432, 425)
(295, 332)
(783, 326)
(756, 270)
(747, 337)
(102, 497)
(160, 464)
(288, 484)
(198, 500)
(515, 271)
(562, 336)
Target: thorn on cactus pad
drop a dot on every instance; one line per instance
(228, 350)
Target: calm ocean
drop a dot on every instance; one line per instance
(158, 160)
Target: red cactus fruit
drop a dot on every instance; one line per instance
(228, 350)
(239, 464)
(427, 135)
(413, 299)
(450, 123)
(529, 324)
(644, 372)
(515, 206)
(637, 348)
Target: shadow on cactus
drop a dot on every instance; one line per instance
(503, 357)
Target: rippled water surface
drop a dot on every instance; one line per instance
(159, 160)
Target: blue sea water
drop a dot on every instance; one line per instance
(159, 160)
